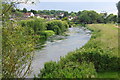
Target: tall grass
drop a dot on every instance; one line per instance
(108, 37)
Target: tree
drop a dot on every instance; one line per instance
(73, 14)
(65, 19)
(65, 14)
(84, 17)
(33, 11)
(118, 7)
(17, 44)
(111, 18)
(57, 26)
(17, 51)
(78, 13)
(24, 10)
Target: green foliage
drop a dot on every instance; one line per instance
(57, 26)
(65, 19)
(17, 47)
(101, 60)
(73, 14)
(46, 33)
(43, 29)
(111, 18)
(24, 10)
(89, 17)
(68, 70)
(17, 44)
(52, 12)
(36, 24)
(33, 11)
(6, 11)
(118, 7)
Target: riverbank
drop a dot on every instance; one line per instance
(57, 48)
(108, 38)
(107, 35)
(98, 56)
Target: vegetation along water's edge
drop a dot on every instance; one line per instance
(97, 59)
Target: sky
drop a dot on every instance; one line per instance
(79, 0)
(108, 6)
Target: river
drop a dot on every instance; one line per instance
(52, 51)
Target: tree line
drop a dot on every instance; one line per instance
(86, 17)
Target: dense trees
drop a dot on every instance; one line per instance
(89, 17)
(39, 25)
(118, 7)
(57, 26)
(111, 18)
(35, 24)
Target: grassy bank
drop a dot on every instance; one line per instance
(108, 40)
(107, 36)
(98, 56)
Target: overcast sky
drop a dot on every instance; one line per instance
(79, 0)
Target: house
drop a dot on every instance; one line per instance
(61, 14)
(37, 15)
(29, 14)
(48, 17)
(71, 18)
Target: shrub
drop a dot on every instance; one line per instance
(36, 24)
(57, 26)
(69, 70)
(18, 46)
(46, 33)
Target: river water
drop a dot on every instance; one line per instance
(52, 51)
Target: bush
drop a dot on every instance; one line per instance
(17, 48)
(46, 33)
(102, 62)
(57, 26)
(36, 24)
(69, 70)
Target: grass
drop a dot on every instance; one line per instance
(108, 75)
(108, 37)
(108, 40)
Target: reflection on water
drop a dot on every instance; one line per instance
(52, 51)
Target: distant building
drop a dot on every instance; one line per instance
(29, 14)
(48, 17)
(71, 18)
(37, 15)
(61, 14)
